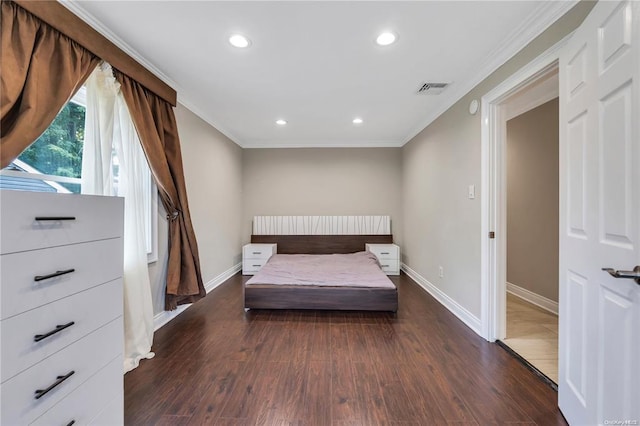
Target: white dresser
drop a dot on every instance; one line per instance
(61, 329)
(254, 256)
(388, 255)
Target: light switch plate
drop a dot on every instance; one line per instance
(472, 192)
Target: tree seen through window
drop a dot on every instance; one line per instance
(58, 151)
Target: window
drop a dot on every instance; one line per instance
(53, 163)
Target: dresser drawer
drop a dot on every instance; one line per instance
(93, 263)
(258, 251)
(87, 401)
(87, 310)
(384, 251)
(84, 358)
(80, 219)
(112, 414)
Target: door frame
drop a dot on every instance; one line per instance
(493, 252)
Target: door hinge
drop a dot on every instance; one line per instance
(492, 235)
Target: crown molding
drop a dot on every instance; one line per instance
(546, 14)
(186, 102)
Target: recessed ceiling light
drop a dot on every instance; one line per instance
(281, 122)
(238, 40)
(357, 120)
(386, 38)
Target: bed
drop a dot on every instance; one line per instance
(351, 286)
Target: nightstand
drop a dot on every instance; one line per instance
(254, 256)
(388, 255)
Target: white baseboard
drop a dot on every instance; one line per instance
(458, 310)
(531, 297)
(164, 317)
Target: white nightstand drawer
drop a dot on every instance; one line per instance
(81, 313)
(81, 266)
(384, 251)
(251, 266)
(390, 267)
(258, 251)
(46, 220)
(84, 358)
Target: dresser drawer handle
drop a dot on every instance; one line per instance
(71, 423)
(54, 218)
(55, 274)
(257, 266)
(385, 266)
(58, 329)
(384, 252)
(42, 392)
(257, 252)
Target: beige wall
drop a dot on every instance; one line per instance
(441, 225)
(213, 174)
(322, 181)
(532, 200)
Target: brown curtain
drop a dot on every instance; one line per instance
(40, 70)
(158, 132)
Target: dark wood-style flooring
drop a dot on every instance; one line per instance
(217, 365)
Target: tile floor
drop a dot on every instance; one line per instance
(533, 333)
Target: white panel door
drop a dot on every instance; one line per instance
(599, 354)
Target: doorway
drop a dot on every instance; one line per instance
(532, 216)
(533, 86)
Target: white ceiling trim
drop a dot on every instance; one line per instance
(546, 14)
(197, 111)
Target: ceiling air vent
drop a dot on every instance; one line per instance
(432, 88)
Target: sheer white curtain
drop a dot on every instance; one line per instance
(108, 131)
(97, 159)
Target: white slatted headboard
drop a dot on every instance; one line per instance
(321, 225)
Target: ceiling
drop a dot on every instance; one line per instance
(316, 64)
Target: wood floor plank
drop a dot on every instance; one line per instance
(319, 341)
(345, 406)
(216, 364)
(318, 386)
(368, 389)
(211, 402)
(395, 396)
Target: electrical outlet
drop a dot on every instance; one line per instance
(441, 272)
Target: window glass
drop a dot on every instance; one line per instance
(58, 151)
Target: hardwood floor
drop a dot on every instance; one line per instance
(217, 365)
(533, 333)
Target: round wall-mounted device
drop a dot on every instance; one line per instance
(473, 107)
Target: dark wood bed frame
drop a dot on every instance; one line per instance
(265, 296)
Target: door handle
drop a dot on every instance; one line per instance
(634, 275)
